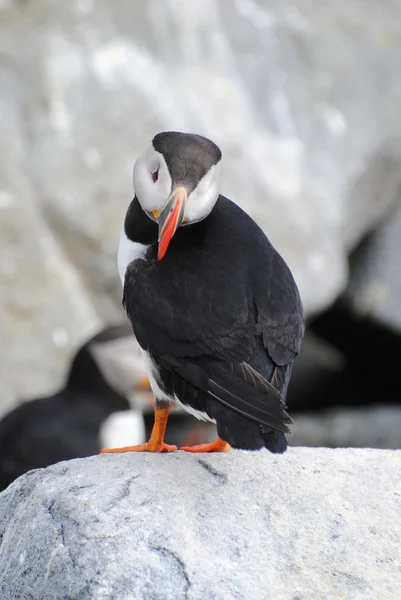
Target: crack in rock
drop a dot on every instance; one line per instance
(221, 477)
(171, 556)
(123, 493)
(61, 531)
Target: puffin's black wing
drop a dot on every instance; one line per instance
(202, 311)
(280, 319)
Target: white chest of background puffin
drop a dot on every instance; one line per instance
(214, 307)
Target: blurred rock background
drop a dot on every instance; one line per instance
(303, 99)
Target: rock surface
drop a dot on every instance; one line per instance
(303, 99)
(309, 524)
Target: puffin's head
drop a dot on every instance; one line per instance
(177, 181)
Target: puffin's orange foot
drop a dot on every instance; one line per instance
(148, 447)
(216, 446)
(156, 440)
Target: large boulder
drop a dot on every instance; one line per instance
(303, 100)
(307, 524)
(374, 290)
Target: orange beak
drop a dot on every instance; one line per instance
(170, 218)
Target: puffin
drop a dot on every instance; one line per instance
(213, 305)
(100, 392)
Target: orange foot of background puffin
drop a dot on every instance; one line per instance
(156, 441)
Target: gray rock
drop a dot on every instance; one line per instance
(362, 427)
(303, 101)
(374, 289)
(45, 309)
(307, 524)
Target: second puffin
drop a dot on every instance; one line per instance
(214, 307)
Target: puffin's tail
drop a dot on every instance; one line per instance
(275, 441)
(251, 396)
(239, 387)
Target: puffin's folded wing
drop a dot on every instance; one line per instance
(242, 389)
(207, 343)
(280, 319)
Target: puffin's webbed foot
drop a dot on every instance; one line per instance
(218, 445)
(147, 447)
(156, 442)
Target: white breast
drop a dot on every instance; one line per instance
(153, 374)
(127, 252)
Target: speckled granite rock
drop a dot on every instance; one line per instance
(303, 100)
(308, 524)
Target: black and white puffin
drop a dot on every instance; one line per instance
(96, 404)
(213, 306)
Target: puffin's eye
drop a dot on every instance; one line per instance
(155, 176)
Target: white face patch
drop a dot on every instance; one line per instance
(120, 362)
(152, 195)
(127, 252)
(202, 199)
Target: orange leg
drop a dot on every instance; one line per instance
(156, 441)
(218, 445)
